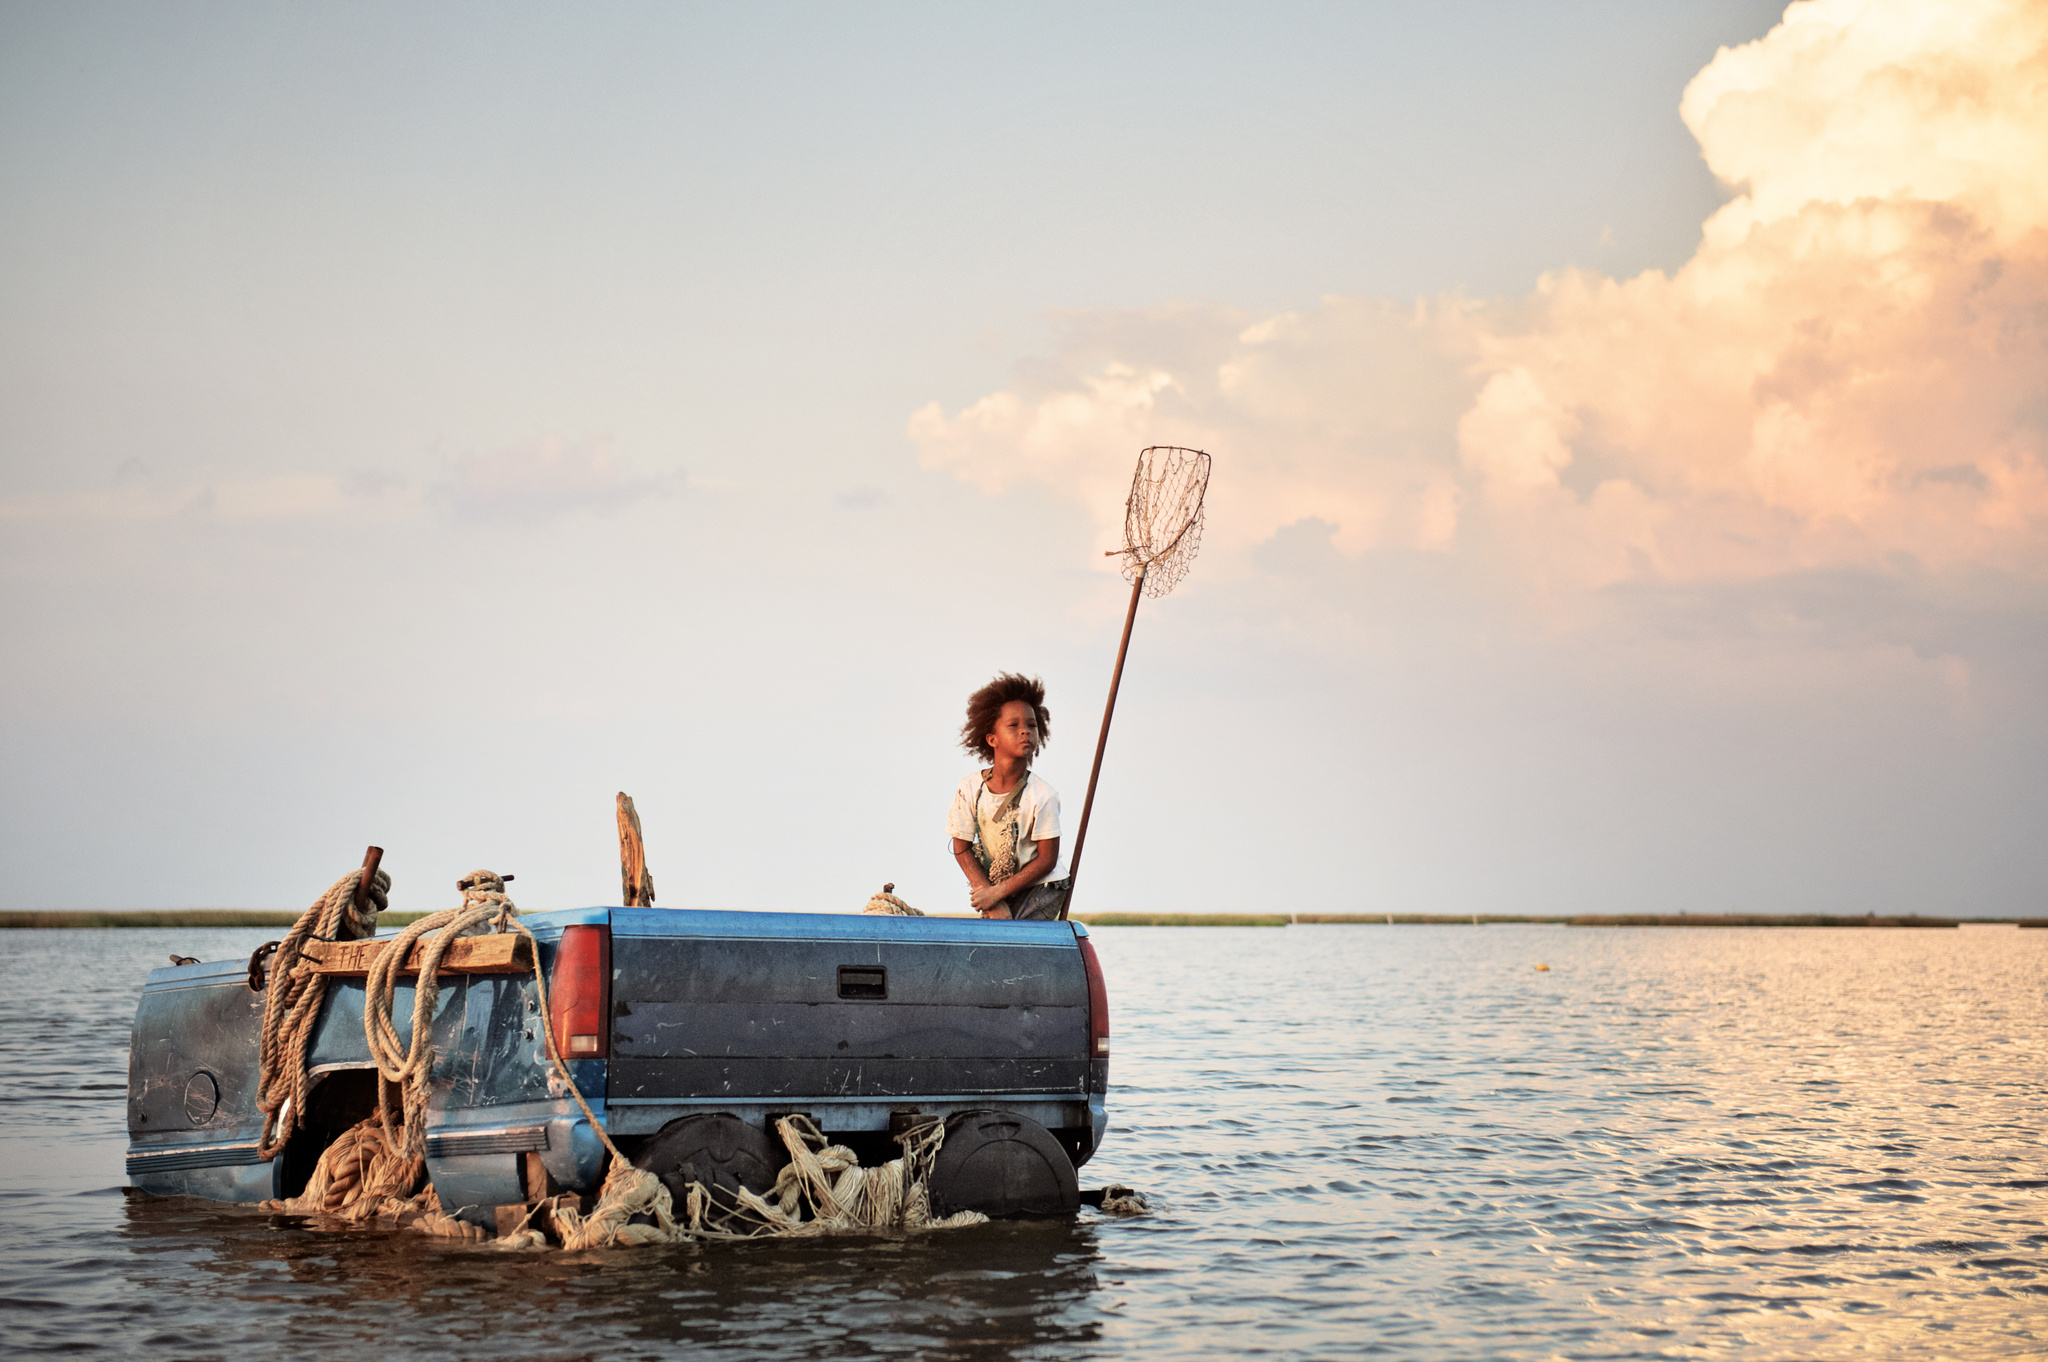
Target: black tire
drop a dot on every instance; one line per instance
(722, 1152)
(1002, 1165)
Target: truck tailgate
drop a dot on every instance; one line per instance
(814, 1009)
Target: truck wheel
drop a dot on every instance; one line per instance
(1002, 1165)
(722, 1152)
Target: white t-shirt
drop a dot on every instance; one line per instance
(1038, 816)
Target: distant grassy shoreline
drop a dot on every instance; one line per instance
(257, 917)
(1576, 920)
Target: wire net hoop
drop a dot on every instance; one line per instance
(1163, 517)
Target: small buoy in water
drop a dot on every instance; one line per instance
(1543, 969)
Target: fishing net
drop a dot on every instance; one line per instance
(1163, 518)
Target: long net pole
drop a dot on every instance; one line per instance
(1116, 678)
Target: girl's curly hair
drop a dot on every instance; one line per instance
(985, 706)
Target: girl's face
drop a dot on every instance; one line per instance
(1016, 732)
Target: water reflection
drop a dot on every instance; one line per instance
(997, 1291)
(232, 1276)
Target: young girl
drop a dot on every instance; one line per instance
(1004, 820)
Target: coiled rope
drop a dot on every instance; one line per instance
(375, 1168)
(886, 904)
(404, 1068)
(370, 1169)
(353, 1179)
(291, 1003)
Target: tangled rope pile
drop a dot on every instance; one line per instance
(359, 1159)
(354, 1181)
(1123, 1201)
(886, 904)
(292, 998)
(823, 1189)
(375, 1169)
(403, 1069)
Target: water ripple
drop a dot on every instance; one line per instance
(1387, 1142)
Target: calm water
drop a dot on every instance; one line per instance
(1386, 1141)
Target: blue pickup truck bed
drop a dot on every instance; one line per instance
(712, 1024)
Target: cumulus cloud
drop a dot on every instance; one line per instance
(1343, 413)
(1850, 373)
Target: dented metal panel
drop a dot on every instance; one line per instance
(192, 1118)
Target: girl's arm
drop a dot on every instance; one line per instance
(985, 896)
(963, 856)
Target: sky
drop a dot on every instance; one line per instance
(419, 423)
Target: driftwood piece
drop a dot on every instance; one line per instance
(635, 881)
(498, 953)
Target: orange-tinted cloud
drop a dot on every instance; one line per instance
(1852, 367)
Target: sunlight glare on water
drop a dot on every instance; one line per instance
(1386, 1141)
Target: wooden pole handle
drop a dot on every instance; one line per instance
(1116, 679)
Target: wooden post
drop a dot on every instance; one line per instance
(370, 859)
(634, 880)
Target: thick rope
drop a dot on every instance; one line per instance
(349, 1181)
(404, 1068)
(376, 1167)
(293, 993)
(886, 904)
(359, 1159)
(1118, 1200)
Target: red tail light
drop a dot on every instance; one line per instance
(1098, 1003)
(579, 991)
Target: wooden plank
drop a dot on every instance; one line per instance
(498, 953)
